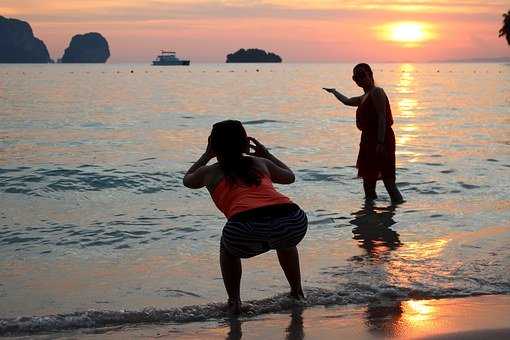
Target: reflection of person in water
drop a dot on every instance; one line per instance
(383, 317)
(373, 230)
(236, 332)
(294, 330)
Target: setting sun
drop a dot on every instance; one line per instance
(410, 34)
(407, 32)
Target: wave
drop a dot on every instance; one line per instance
(260, 121)
(43, 182)
(349, 294)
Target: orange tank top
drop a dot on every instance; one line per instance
(233, 198)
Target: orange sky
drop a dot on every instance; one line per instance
(320, 30)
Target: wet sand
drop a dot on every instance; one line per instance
(481, 317)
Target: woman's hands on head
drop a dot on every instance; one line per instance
(259, 150)
(209, 151)
(278, 171)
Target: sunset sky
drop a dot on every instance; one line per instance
(300, 31)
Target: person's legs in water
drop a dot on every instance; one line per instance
(231, 272)
(369, 187)
(289, 261)
(391, 187)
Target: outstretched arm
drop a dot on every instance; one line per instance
(353, 101)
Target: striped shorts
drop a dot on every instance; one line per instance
(257, 231)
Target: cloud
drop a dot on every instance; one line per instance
(149, 10)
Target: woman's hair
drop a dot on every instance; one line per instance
(363, 67)
(230, 141)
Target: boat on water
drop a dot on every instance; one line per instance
(168, 58)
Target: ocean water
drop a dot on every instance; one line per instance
(97, 229)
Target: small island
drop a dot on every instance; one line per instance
(19, 45)
(87, 48)
(253, 55)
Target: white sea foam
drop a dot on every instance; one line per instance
(350, 294)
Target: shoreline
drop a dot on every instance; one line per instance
(485, 316)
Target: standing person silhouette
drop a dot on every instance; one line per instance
(376, 157)
(259, 218)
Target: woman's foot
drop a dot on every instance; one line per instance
(398, 201)
(391, 188)
(234, 307)
(397, 198)
(297, 295)
(370, 198)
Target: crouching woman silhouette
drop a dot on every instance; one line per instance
(259, 218)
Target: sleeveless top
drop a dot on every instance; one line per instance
(233, 198)
(366, 115)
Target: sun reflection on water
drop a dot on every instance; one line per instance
(418, 311)
(425, 249)
(407, 105)
(406, 79)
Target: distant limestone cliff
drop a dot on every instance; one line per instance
(87, 48)
(253, 55)
(18, 44)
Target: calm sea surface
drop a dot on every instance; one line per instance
(94, 216)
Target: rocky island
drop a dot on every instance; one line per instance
(87, 48)
(18, 43)
(253, 55)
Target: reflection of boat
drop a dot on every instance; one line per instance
(168, 58)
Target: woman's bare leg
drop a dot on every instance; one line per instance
(289, 261)
(231, 272)
(369, 187)
(391, 187)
